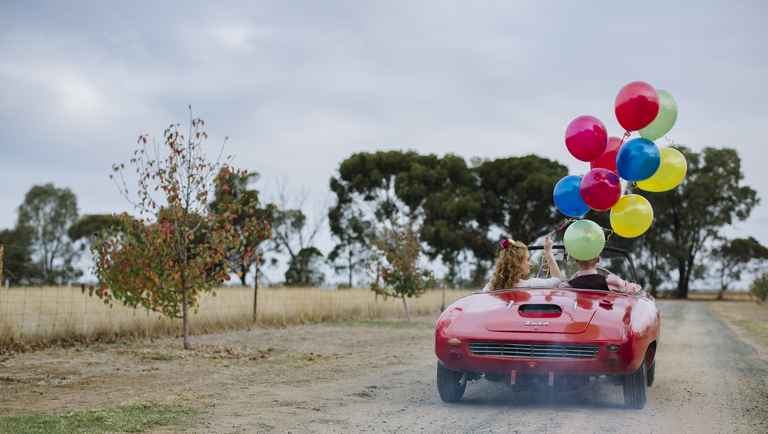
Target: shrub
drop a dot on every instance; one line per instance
(760, 287)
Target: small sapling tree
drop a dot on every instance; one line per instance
(400, 276)
(759, 288)
(177, 248)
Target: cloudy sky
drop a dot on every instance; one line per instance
(299, 86)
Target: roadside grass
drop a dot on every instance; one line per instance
(138, 417)
(757, 329)
(748, 318)
(711, 295)
(32, 318)
(390, 323)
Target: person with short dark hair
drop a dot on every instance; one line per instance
(588, 278)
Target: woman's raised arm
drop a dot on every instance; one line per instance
(554, 269)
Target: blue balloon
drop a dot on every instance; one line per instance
(638, 159)
(568, 198)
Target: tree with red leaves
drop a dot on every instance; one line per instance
(177, 248)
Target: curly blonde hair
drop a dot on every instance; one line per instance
(509, 265)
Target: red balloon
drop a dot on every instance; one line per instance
(608, 159)
(637, 105)
(600, 189)
(586, 138)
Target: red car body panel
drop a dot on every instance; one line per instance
(587, 317)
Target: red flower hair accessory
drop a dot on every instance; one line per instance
(504, 243)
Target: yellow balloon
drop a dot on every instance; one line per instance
(631, 216)
(670, 173)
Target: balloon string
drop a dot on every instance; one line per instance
(625, 137)
(561, 226)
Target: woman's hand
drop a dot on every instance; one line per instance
(548, 243)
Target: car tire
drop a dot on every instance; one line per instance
(651, 374)
(635, 387)
(450, 384)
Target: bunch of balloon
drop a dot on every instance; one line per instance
(640, 108)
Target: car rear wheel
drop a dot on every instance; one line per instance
(651, 373)
(450, 384)
(635, 387)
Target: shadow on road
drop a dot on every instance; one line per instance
(601, 394)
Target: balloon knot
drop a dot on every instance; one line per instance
(625, 137)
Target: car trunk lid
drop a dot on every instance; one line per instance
(542, 312)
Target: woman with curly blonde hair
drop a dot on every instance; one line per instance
(512, 267)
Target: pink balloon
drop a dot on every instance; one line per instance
(586, 138)
(637, 105)
(608, 159)
(600, 188)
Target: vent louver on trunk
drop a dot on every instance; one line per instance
(535, 351)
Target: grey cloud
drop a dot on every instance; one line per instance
(298, 86)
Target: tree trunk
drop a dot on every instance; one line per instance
(407, 312)
(682, 280)
(243, 274)
(442, 304)
(721, 294)
(723, 288)
(723, 285)
(185, 320)
(256, 289)
(653, 278)
(349, 265)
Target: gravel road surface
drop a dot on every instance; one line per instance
(707, 380)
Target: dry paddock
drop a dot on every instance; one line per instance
(40, 315)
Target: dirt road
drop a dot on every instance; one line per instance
(379, 377)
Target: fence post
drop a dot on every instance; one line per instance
(255, 315)
(2, 250)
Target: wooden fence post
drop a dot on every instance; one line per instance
(257, 264)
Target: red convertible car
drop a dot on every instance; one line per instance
(558, 338)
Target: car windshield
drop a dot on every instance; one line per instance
(612, 260)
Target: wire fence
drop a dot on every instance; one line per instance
(36, 314)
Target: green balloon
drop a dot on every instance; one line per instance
(665, 120)
(584, 240)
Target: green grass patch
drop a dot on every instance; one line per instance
(138, 417)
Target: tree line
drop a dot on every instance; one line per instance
(197, 222)
(456, 210)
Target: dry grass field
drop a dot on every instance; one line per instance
(32, 316)
(40, 315)
(750, 321)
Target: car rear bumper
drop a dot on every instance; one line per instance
(604, 362)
